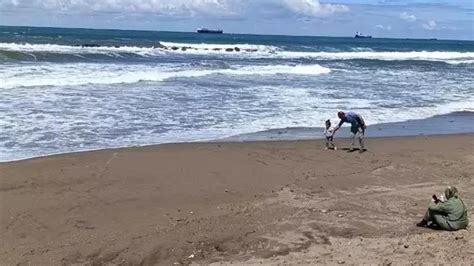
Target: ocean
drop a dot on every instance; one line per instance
(67, 90)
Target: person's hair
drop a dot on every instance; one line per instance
(450, 192)
(340, 113)
(328, 123)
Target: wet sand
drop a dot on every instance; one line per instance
(452, 123)
(282, 202)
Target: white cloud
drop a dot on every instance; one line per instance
(183, 8)
(382, 27)
(160, 7)
(9, 3)
(313, 8)
(408, 17)
(430, 25)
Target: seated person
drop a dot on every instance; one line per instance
(447, 213)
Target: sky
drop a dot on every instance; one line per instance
(444, 19)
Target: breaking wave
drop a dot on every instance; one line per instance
(40, 52)
(83, 74)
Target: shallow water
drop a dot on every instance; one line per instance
(128, 88)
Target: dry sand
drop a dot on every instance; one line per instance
(241, 203)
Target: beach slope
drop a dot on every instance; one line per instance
(258, 202)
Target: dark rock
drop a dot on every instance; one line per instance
(90, 45)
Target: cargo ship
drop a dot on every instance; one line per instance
(206, 30)
(362, 36)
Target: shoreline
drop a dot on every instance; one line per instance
(453, 123)
(269, 202)
(344, 140)
(456, 123)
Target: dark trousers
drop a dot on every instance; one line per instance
(329, 142)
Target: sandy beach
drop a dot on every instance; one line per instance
(281, 202)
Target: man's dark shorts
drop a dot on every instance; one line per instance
(355, 129)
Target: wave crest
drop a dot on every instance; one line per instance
(243, 50)
(83, 74)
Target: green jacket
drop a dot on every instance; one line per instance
(453, 211)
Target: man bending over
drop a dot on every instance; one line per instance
(357, 128)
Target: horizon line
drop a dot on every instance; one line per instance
(234, 33)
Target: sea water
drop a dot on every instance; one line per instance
(66, 90)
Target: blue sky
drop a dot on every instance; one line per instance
(447, 19)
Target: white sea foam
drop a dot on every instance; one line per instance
(278, 69)
(448, 57)
(246, 50)
(44, 107)
(85, 73)
(362, 49)
(39, 121)
(357, 53)
(67, 49)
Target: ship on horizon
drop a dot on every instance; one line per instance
(206, 30)
(362, 36)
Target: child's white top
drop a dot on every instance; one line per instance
(328, 132)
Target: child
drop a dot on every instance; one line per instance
(329, 134)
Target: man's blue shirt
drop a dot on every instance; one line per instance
(351, 118)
